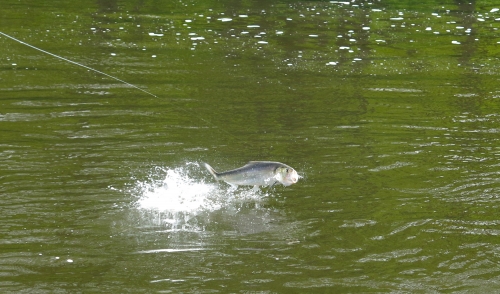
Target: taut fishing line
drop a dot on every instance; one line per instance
(110, 76)
(76, 63)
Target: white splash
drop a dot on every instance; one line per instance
(182, 200)
(177, 192)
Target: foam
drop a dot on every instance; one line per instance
(180, 198)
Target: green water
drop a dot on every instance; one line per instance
(389, 110)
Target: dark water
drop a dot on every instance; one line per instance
(389, 110)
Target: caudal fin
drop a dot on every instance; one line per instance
(211, 171)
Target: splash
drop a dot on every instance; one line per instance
(185, 197)
(178, 192)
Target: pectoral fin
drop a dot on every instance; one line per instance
(212, 171)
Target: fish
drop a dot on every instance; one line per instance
(257, 173)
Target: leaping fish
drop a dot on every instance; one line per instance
(257, 173)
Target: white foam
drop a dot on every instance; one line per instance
(177, 197)
(179, 191)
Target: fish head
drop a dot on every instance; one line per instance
(286, 175)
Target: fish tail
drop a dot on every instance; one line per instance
(212, 171)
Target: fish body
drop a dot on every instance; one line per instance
(257, 173)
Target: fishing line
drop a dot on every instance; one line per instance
(110, 76)
(76, 63)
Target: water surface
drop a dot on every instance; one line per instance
(388, 110)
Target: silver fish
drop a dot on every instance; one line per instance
(257, 173)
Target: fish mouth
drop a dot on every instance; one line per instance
(294, 177)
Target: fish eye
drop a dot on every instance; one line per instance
(287, 170)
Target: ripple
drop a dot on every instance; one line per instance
(171, 250)
(19, 117)
(391, 166)
(402, 90)
(358, 223)
(390, 255)
(409, 225)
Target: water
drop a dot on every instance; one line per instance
(388, 111)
